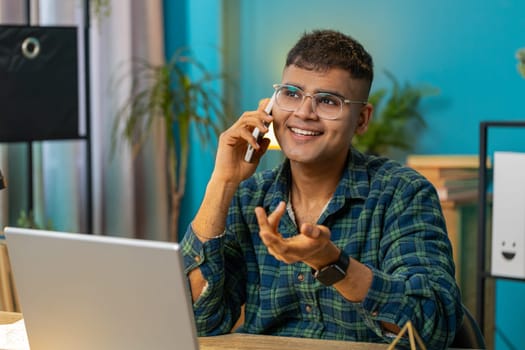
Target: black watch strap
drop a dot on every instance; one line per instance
(333, 272)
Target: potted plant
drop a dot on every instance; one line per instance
(169, 92)
(28, 220)
(100, 8)
(396, 120)
(520, 56)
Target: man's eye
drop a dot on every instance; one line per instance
(328, 100)
(292, 93)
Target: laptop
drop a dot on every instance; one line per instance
(80, 291)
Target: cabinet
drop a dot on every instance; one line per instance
(461, 219)
(44, 90)
(461, 226)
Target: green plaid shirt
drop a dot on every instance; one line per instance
(383, 214)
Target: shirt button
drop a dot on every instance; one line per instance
(197, 258)
(375, 313)
(300, 277)
(308, 308)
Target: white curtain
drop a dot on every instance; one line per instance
(129, 195)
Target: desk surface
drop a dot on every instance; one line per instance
(9, 317)
(239, 341)
(253, 342)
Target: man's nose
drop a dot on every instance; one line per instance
(306, 109)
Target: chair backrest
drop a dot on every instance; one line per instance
(468, 336)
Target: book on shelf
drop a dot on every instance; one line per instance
(442, 177)
(456, 194)
(457, 183)
(439, 161)
(455, 177)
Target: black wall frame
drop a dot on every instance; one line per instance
(39, 91)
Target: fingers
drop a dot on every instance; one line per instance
(266, 118)
(315, 231)
(251, 120)
(232, 146)
(308, 244)
(270, 222)
(268, 230)
(263, 103)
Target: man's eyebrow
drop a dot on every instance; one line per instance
(324, 91)
(332, 92)
(293, 85)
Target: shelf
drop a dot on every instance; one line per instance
(482, 272)
(517, 279)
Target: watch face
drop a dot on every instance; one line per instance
(330, 274)
(334, 272)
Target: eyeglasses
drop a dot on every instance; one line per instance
(326, 105)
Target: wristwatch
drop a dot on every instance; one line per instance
(334, 272)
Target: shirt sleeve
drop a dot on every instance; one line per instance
(415, 275)
(218, 307)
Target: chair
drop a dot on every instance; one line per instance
(469, 335)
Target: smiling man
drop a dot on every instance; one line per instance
(332, 243)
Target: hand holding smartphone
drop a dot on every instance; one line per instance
(257, 133)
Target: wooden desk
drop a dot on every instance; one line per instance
(8, 296)
(9, 317)
(237, 341)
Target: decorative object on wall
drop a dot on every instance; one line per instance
(396, 119)
(520, 56)
(182, 100)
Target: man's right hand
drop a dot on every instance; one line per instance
(230, 169)
(230, 165)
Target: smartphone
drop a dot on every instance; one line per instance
(257, 133)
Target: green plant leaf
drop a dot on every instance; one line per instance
(397, 118)
(183, 93)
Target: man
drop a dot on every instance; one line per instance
(332, 243)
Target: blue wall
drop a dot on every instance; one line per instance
(465, 48)
(188, 25)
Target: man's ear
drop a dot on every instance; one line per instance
(365, 116)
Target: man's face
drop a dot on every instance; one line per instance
(308, 139)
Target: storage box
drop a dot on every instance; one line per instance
(508, 230)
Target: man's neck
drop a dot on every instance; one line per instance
(314, 184)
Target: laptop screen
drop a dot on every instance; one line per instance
(80, 291)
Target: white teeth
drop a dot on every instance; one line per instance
(305, 132)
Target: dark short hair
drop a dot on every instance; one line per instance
(326, 49)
